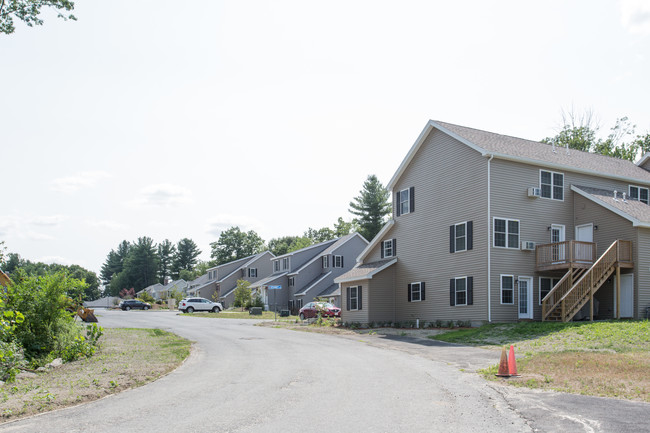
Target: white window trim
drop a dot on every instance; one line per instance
(408, 201)
(419, 283)
(326, 262)
(354, 289)
(285, 264)
(501, 289)
(276, 266)
(291, 282)
(494, 238)
(252, 271)
(552, 184)
(383, 245)
(334, 260)
(456, 250)
(539, 286)
(639, 188)
(456, 292)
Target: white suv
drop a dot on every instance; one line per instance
(190, 305)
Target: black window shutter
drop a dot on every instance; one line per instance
(452, 238)
(412, 199)
(470, 235)
(422, 298)
(382, 249)
(397, 205)
(394, 247)
(409, 292)
(452, 292)
(359, 298)
(342, 261)
(470, 290)
(347, 305)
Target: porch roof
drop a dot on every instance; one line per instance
(365, 271)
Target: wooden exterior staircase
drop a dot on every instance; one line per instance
(579, 284)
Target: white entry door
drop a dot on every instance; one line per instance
(585, 233)
(525, 292)
(627, 295)
(557, 235)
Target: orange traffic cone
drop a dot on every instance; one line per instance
(512, 363)
(503, 365)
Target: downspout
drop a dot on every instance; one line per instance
(489, 245)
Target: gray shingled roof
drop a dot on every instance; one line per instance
(633, 210)
(534, 150)
(333, 290)
(267, 280)
(364, 271)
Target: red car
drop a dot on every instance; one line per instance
(326, 309)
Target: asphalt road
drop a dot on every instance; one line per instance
(244, 378)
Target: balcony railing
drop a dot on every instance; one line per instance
(565, 255)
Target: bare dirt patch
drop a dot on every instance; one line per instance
(126, 359)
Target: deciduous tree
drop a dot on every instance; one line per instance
(29, 12)
(233, 244)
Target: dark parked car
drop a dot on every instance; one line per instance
(134, 303)
(326, 309)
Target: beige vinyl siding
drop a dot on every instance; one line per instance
(381, 288)
(642, 272)
(360, 316)
(450, 181)
(610, 228)
(510, 182)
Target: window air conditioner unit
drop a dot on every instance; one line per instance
(527, 245)
(534, 192)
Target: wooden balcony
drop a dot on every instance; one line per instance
(565, 255)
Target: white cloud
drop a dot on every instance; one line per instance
(36, 236)
(56, 259)
(49, 221)
(106, 224)
(635, 15)
(220, 223)
(86, 179)
(162, 195)
(8, 224)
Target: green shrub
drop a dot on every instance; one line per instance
(11, 360)
(48, 311)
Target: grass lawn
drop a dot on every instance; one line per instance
(237, 314)
(127, 358)
(609, 359)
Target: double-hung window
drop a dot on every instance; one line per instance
(551, 184)
(285, 263)
(460, 237)
(405, 201)
(252, 272)
(276, 266)
(506, 233)
(545, 286)
(337, 261)
(461, 291)
(507, 289)
(291, 281)
(326, 262)
(354, 298)
(416, 292)
(388, 248)
(639, 193)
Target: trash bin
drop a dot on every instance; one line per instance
(284, 313)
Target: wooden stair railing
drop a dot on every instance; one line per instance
(577, 287)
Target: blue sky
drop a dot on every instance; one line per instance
(172, 120)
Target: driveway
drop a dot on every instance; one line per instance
(245, 378)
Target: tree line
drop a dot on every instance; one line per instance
(143, 263)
